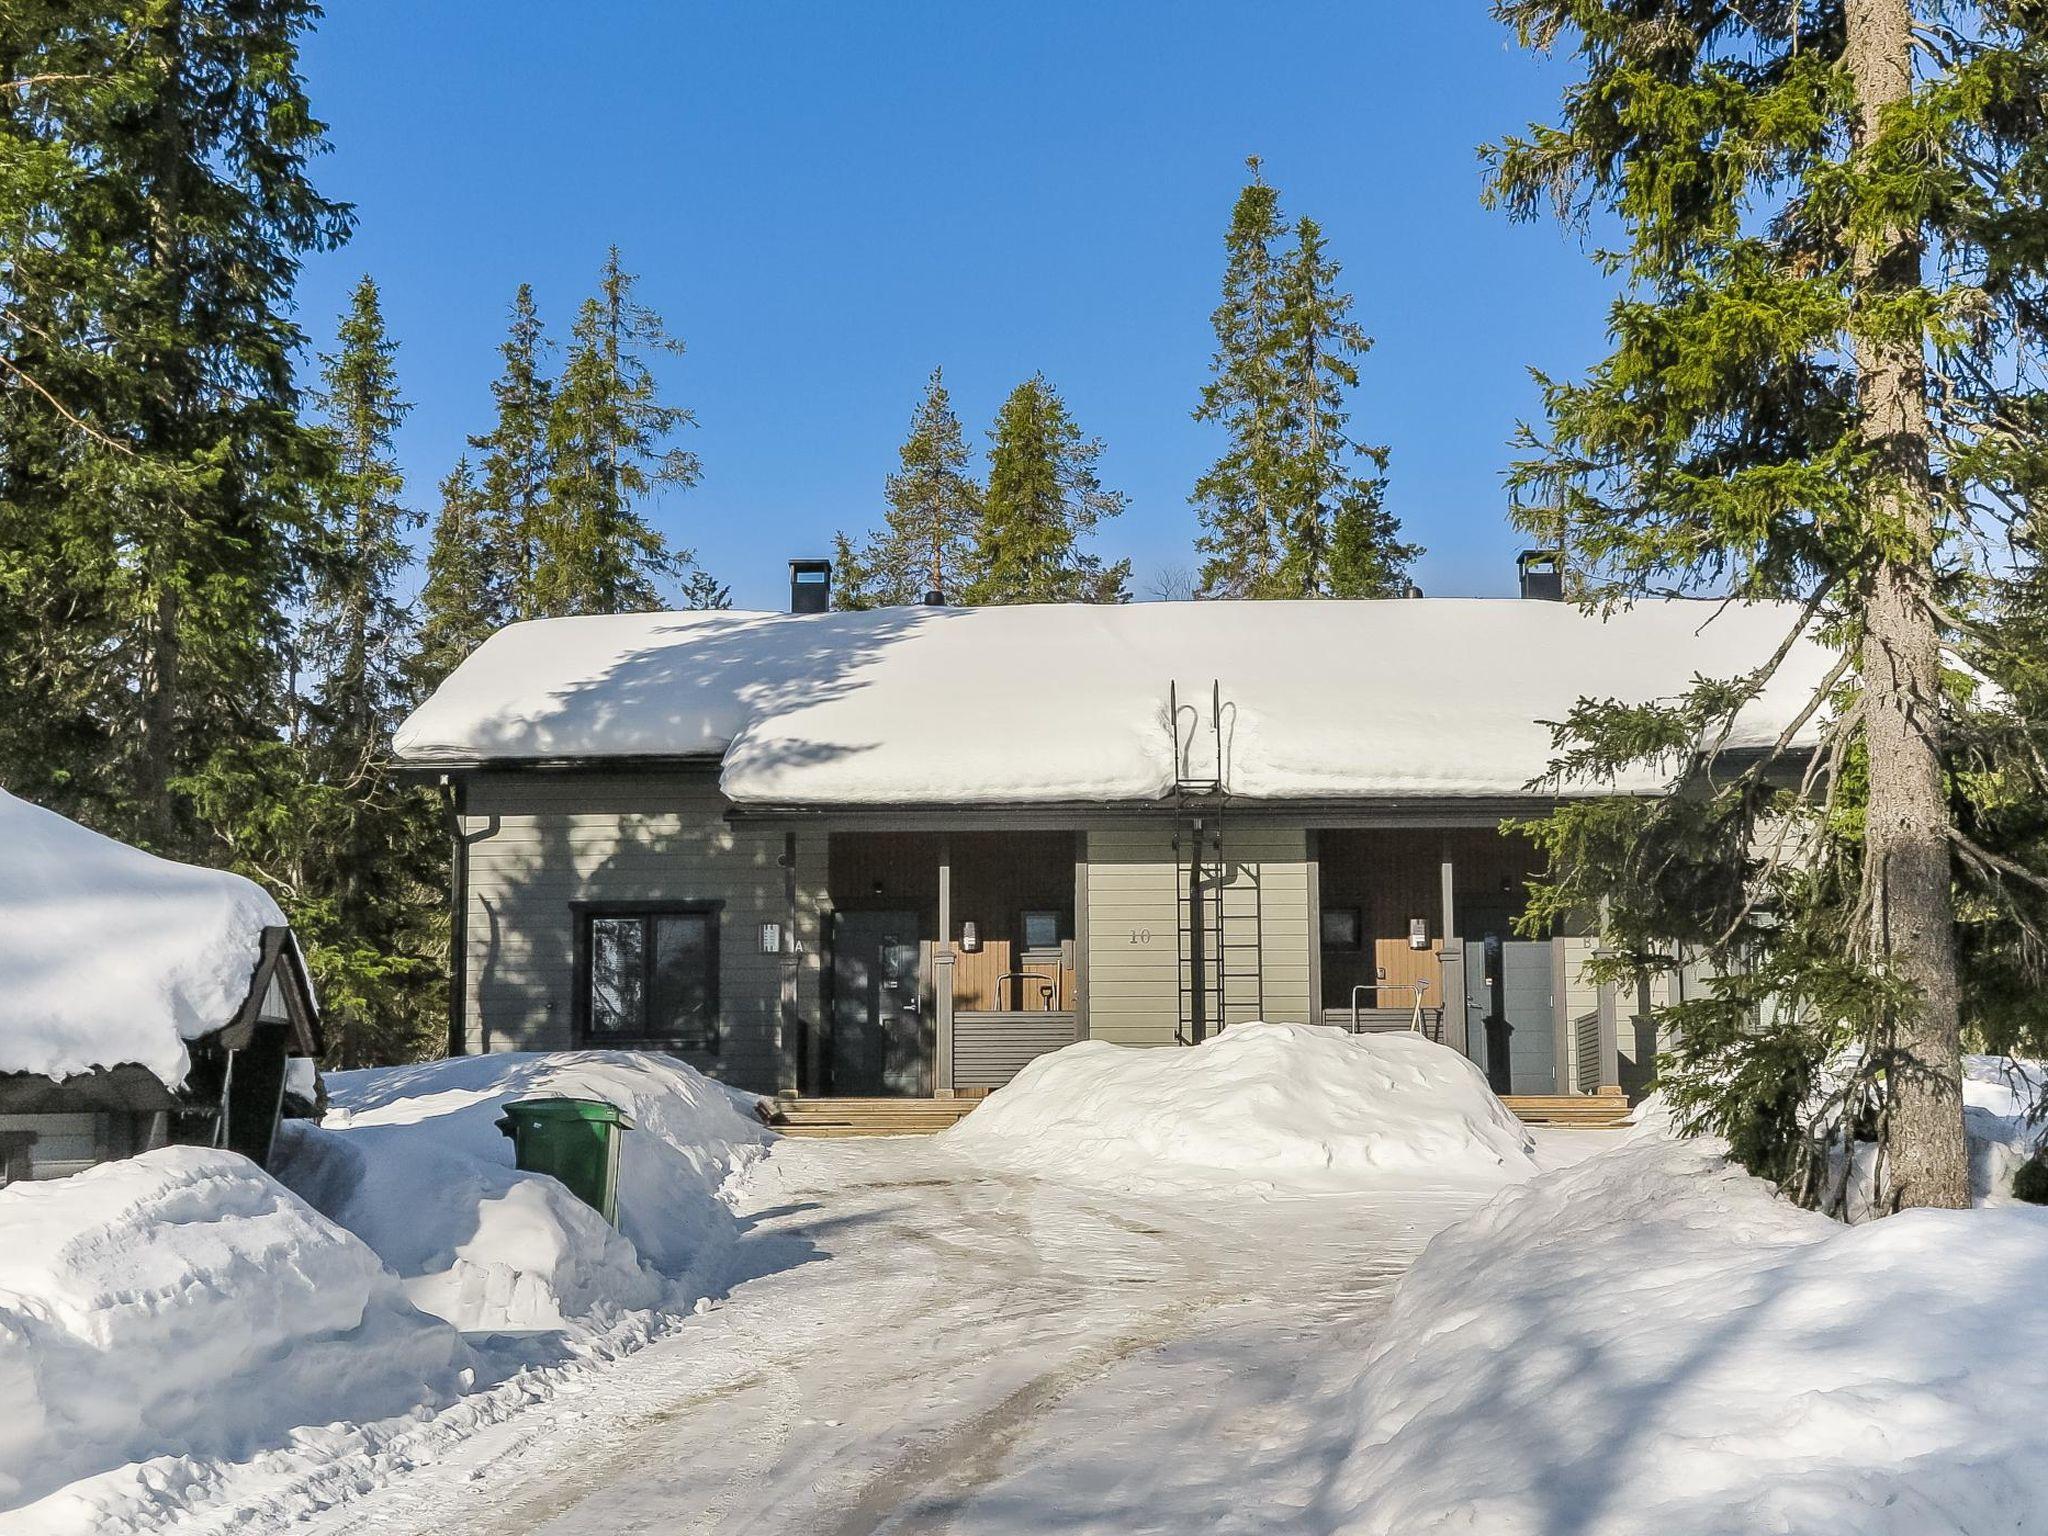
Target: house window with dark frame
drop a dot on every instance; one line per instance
(650, 976)
(1041, 930)
(1341, 928)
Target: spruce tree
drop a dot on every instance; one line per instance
(704, 592)
(516, 466)
(927, 541)
(608, 442)
(1044, 497)
(1821, 389)
(466, 597)
(360, 894)
(1295, 507)
(1337, 537)
(153, 465)
(1239, 499)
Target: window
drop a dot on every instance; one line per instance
(1340, 928)
(1041, 930)
(651, 974)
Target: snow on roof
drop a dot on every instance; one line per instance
(109, 955)
(1047, 704)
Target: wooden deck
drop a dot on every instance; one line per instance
(832, 1117)
(1572, 1111)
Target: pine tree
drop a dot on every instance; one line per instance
(608, 439)
(152, 463)
(1337, 537)
(857, 586)
(1043, 498)
(516, 465)
(466, 596)
(704, 592)
(359, 894)
(927, 541)
(1239, 499)
(1799, 405)
(1295, 507)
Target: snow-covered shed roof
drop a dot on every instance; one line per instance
(111, 956)
(1067, 703)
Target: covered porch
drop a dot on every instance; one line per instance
(1417, 928)
(952, 959)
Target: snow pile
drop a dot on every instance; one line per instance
(1652, 1342)
(109, 955)
(1999, 1098)
(893, 704)
(1292, 1103)
(411, 1160)
(181, 1305)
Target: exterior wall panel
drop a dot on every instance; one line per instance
(538, 845)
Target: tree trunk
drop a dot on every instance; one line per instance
(1906, 851)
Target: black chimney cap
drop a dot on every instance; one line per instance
(1542, 573)
(810, 586)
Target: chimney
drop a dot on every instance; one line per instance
(810, 586)
(1542, 572)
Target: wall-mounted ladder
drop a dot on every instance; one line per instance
(1221, 910)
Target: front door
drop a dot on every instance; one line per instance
(1511, 980)
(881, 1044)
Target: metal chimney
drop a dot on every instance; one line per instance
(810, 586)
(1542, 572)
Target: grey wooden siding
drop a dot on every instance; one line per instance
(1133, 951)
(1133, 940)
(991, 1048)
(539, 843)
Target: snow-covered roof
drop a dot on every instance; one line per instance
(109, 955)
(1051, 704)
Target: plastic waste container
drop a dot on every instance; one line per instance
(575, 1140)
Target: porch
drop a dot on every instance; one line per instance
(953, 959)
(948, 960)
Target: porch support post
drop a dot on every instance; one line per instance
(1610, 1039)
(1315, 928)
(1079, 1001)
(942, 979)
(789, 1044)
(1560, 1016)
(1450, 916)
(1453, 993)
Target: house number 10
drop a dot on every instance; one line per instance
(1141, 935)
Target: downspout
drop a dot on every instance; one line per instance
(458, 914)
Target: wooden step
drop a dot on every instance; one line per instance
(1569, 1111)
(823, 1117)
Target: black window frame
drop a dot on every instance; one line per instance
(1356, 945)
(585, 913)
(1059, 929)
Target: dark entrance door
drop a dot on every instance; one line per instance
(881, 1044)
(1510, 980)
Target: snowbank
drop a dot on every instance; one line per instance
(410, 1159)
(181, 1305)
(1293, 1103)
(1999, 1098)
(109, 955)
(892, 705)
(1652, 1342)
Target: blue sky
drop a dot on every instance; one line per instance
(827, 200)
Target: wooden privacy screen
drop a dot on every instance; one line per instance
(977, 987)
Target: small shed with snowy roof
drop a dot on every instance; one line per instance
(142, 1001)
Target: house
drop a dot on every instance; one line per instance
(141, 1001)
(903, 852)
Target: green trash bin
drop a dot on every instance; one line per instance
(576, 1140)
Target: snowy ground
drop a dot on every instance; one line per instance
(921, 1344)
(1048, 1322)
